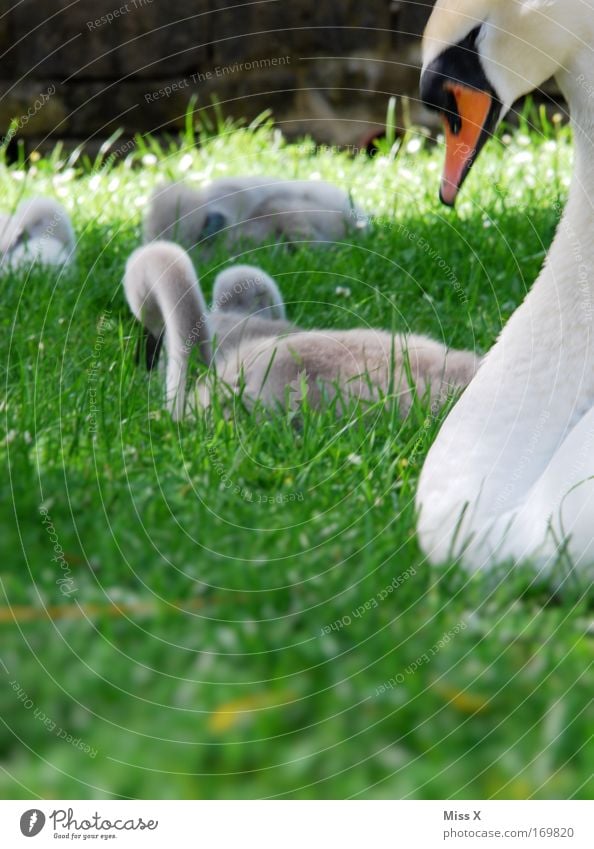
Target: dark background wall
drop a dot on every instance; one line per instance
(325, 67)
(80, 70)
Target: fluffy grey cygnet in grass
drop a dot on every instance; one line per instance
(269, 360)
(247, 305)
(39, 231)
(248, 289)
(251, 208)
(164, 294)
(362, 364)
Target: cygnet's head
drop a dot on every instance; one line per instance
(38, 218)
(247, 289)
(181, 214)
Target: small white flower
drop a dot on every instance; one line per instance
(186, 162)
(523, 157)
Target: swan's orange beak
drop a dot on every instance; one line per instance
(464, 136)
(455, 85)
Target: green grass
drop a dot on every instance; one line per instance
(250, 559)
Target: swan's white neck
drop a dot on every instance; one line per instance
(538, 379)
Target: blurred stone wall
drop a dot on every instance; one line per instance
(78, 71)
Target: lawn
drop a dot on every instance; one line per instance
(238, 607)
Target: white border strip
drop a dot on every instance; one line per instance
(297, 824)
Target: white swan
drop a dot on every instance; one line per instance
(38, 232)
(270, 360)
(253, 208)
(510, 475)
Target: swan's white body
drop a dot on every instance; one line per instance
(267, 359)
(511, 472)
(38, 232)
(252, 208)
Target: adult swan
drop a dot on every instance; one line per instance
(510, 475)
